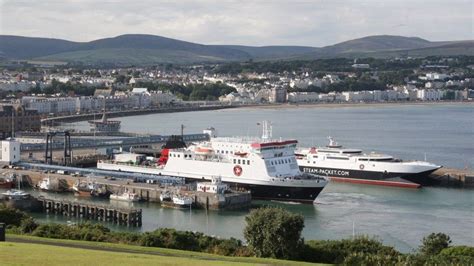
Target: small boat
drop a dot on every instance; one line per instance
(45, 184)
(241, 154)
(202, 150)
(100, 191)
(16, 194)
(126, 196)
(176, 201)
(181, 201)
(6, 182)
(82, 188)
(165, 196)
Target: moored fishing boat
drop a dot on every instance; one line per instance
(125, 196)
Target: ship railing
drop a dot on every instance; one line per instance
(301, 178)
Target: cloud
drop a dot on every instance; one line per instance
(312, 23)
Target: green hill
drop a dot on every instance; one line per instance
(141, 49)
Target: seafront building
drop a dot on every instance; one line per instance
(138, 98)
(17, 118)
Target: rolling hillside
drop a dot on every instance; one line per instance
(141, 49)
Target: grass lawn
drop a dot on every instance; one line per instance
(44, 251)
(39, 254)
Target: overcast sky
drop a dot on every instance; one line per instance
(310, 23)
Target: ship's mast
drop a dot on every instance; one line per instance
(266, 130)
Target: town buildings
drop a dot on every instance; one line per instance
(17, 118)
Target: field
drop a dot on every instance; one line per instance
(20, 250)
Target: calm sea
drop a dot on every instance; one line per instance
(442, 134)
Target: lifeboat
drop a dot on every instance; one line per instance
(240, 153)
(203, 150)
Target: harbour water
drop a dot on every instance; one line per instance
(400, 217)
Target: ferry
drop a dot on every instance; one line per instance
(266, 167)
(352, 165)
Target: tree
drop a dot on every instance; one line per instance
(274, 232)
(11, 216)
(434, 243)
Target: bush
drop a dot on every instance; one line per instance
(28, 225)
(337, 251)
(227, 247)
(186, 240)
(420, 259)
(11, 217)
(51, 231)
(274, 232)
(371, 259)
(434, 243)
(458, 251)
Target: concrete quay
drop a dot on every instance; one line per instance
(149, 191)
(450, 177)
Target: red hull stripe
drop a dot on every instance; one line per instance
(376, 182)
(276, 143)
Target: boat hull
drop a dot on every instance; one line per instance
(7, 184)
(171, 204)
(280, 193)
(82, 193)
(404, 180)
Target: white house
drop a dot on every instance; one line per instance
(10, 151)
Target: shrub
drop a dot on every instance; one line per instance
(371, 259)
(434, 243)
(28, 225)
(227, 247)
(337, 251)
(458, 251)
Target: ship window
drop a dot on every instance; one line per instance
(234, 161)
(238, 161)
(337, 158)
(248, 162)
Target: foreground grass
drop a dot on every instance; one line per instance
(44, 251)
(38, 254)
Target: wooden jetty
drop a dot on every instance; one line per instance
(129, 217)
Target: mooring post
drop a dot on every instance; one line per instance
(2, 232)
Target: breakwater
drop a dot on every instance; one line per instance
(113, 114)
